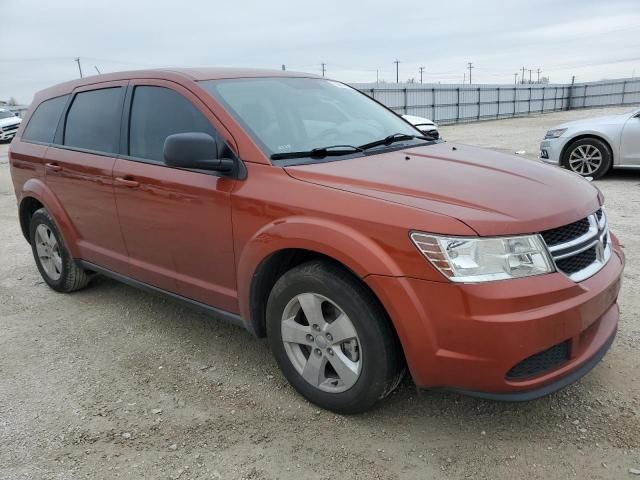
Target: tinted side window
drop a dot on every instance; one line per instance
(93, 121)
(158, 112)
(44, 121)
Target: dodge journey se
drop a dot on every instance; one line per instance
(306, 212)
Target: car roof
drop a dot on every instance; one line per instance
(176, 74)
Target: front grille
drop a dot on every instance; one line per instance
(581, 248)
(567, 233)
(10, 127)
(575, 263)
(540, 362)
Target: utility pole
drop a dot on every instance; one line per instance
(538, 71)
(77, 60)
(421, 70)
(530, 75)
(515, 79)
(397, 62)
(464, 78)
(470, 66)
(283, 67)
(377, 76)
(97, 70)
(324, 69)
(522, 77)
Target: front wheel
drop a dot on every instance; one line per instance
(589, 157)
(331, 338)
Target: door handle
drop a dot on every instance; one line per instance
(127, 182)
(54, 167)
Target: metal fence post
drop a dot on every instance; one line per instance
(433, 104)
(515, 99)
(584, 98)
(529, 100)
(458, 106)
(624, 87)
(544, 89)
(498, 110)
(569, 92)
(555, 98)
(406, 111)
(479, 102)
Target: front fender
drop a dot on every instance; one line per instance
(37, 189)
(352, 248)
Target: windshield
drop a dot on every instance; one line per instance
(301, 114)
(6, 114)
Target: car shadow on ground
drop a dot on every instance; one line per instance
(208, 341)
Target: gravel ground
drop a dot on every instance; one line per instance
(113, 382)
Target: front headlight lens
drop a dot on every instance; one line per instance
(555, 133)
(472, 259)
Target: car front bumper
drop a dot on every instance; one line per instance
(7, 135)
(551, 150)
(469, 337)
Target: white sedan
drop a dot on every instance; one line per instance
(593, 146)
(426, 126)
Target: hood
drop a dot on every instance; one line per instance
(493, 193)
(412, 119)
(9, 121)
(604, 120)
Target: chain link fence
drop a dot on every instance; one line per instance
(464, 103)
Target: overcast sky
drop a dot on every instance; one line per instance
(591, 39)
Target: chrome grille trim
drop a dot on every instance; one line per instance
(597, 236)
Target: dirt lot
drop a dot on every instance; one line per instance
(113, 382)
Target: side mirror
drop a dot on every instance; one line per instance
(195, 150)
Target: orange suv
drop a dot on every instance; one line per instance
(304, 211)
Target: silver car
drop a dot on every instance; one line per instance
(593, 146)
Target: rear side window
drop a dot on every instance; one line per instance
(158, 112)
(44, 121)
(93, 121)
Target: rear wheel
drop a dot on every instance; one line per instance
(52, 258)
(331, 338)
(589, 157)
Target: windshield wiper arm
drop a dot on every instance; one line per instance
(329, 151)
(395, 137)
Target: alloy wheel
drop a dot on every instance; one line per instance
(585, 159)
(48, 251)
(321, 342)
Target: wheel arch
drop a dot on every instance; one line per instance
(35, 194)
(281, 246)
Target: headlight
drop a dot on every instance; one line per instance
(555, 133)
(473, 259)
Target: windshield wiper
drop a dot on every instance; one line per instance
(395, 137)
(329, 151)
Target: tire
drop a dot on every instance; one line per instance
(588, 157)
(375, 364)
(52, 258)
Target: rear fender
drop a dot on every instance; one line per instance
(36, 188)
